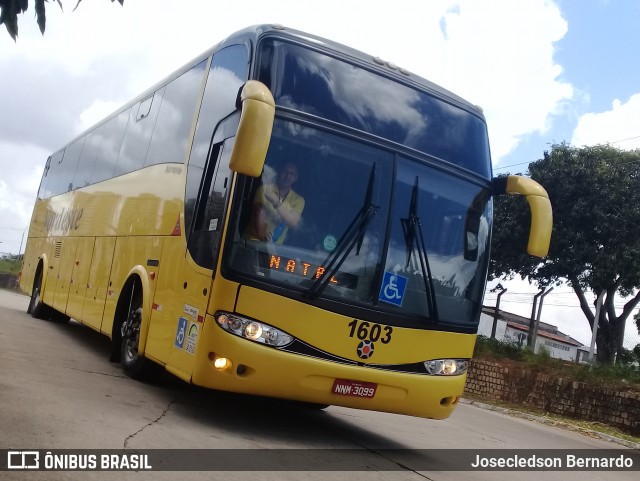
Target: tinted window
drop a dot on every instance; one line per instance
(71, 158)
(87, 158)
(175, 119)
(207, 230)
(229, 70)
(324, 86)
(108, 138)
(138, 135)
(49, 177)
(62, 168)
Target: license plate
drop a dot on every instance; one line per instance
(347, 387)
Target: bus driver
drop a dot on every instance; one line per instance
(276, 207)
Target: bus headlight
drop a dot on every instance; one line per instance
(253, 330)
(447, 367)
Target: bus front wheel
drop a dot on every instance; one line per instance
(133, 363)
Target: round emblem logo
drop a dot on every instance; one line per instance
(365, 349)
(329, 243)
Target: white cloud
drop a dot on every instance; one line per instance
(618, 126)
(19, 180)
(508, 65)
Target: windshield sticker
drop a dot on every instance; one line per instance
(330, 243)
(393, 288)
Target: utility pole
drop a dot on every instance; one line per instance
(21, 241)
(596, 321)
(532, 319)
(533, 322)
(497, 309)
(534, 335)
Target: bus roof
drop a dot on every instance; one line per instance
(254, 33)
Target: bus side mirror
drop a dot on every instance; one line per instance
(541, 214)
(254, 129)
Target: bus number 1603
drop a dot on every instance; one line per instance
(373, 332)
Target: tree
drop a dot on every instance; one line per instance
(10, 9)
(595, 245)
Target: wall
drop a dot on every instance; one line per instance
(8, 281)
(539, 389)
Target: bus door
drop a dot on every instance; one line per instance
(188, 288)
(191, 290)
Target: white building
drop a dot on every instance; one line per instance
(514, 328)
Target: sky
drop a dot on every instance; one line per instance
(543, 71)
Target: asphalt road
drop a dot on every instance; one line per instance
(59, 391)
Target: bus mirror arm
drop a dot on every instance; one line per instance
(254, 130)
(540, 206)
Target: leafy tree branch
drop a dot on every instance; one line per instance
(595, 195)
(10, 9)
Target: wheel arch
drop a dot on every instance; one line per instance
(137, 276)
(40, 275)
(43, 267)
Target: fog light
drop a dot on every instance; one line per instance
(221, 363)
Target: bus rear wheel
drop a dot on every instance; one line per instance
(37, 308)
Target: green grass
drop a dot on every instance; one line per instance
(613, 375)
(10, 266)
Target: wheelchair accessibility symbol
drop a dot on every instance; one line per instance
(181, 333)
(393, 288)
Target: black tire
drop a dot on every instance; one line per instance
(36, 308)
(133, 363)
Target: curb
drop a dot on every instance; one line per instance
(551, 422)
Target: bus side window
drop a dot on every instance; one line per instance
(138, 134)
(205, 237)
(44, 191)
(172, 128)
(144, 107)
(110, 139)
(229, 71)
(55, 175)
(70, 161)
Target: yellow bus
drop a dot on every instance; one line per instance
(286, 217)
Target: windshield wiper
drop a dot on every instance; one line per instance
(413, 235)
(352, 236)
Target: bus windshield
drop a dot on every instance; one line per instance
(305, 80)
(365, 217)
